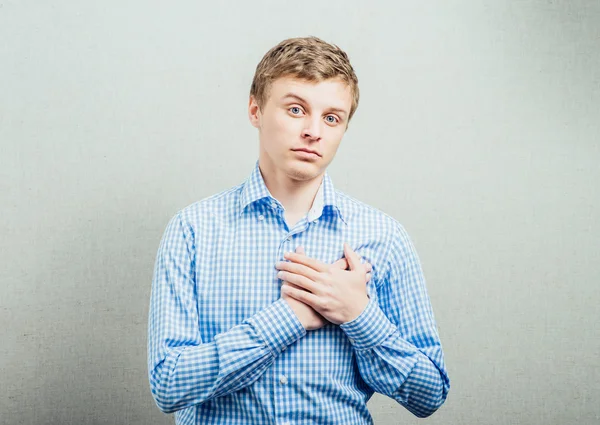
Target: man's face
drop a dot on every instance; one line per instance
(300, 115)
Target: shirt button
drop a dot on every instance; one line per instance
(283, 380)
(274, 205)
(351, 340)
(261, 217)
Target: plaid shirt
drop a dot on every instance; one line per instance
(225, 348)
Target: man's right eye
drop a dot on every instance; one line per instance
(295, 110)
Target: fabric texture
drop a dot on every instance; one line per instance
(224, 348)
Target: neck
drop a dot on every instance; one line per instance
(296, 196)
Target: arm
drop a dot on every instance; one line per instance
(395, 340)
(184, 371)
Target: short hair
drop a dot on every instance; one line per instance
(306, 58)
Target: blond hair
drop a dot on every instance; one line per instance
(306, 58)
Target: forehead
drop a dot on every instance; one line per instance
(333, 92)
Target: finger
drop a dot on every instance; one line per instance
(286, 283)
(307, 261)
(352, 257)
(299, 269)
(341, 264)
(301, 295)
(299, 280)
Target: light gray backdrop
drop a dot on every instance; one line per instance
(478, 129)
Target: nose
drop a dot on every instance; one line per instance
(312, 130)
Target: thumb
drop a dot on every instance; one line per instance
(300, 250)
(352, 257)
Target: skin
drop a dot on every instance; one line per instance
(288, 123)
(299, 114)
(315, 310)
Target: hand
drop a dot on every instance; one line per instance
(342, 263)
(336, 294)
(310, 319)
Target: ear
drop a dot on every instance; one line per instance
(254, 112)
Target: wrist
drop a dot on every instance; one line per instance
(369, 329)
(358, 309)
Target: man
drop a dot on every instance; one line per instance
(262, 311)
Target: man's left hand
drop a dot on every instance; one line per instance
(338, 295)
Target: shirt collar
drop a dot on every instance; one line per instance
(255, 189)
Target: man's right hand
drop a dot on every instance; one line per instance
(309, 318)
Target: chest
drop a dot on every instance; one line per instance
(235, 265)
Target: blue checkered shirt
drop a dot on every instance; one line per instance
(225, 348)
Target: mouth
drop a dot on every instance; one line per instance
(307, 153)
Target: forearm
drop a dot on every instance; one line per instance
(411, 378)
(390, 365)
(185, 375)
(424, 390)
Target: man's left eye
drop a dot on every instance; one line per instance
(332, 120)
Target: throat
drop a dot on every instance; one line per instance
(292, 219)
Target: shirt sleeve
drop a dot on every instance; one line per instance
(184, 371)
(395, 339)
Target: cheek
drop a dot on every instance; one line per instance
(283, 123)
(282, 131)
(277, 133)
(332, 140)
(274, 124)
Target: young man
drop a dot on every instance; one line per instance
(262, 311)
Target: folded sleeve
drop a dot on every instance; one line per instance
(185, 371)
(395, 339)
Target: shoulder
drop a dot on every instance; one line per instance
(355, 211)
(218, 207)
(396, 240)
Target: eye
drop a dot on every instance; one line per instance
(295, 110)
(331, 119)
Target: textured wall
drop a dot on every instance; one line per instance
(482, 118)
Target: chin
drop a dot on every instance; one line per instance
(303, 170)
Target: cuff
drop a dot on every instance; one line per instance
(370, 328)
(278, 326)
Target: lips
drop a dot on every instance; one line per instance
(307, 151)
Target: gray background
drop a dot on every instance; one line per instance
(478, 129)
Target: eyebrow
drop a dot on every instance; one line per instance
(295, 96)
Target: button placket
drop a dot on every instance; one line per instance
(281, 381)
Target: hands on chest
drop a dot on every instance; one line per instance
(319, 293)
